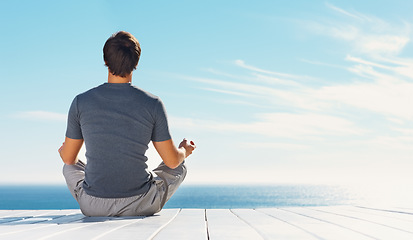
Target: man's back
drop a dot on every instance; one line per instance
(117, 122)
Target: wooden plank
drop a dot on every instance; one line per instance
(92, 228)
(10, 213)
(225, 225)
(10, 219)
(89, 228)
(398, 224)
(35, 229)
(44, 216)
(270, 227)
(339, 222)
(358, 225)
(21, 215)
(143, 229)
(68, 218)
(315, 226)
(23, 232)
(29, 217)
(404, 211)
(188, 224)
(380, 212)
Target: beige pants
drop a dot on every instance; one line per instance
(162, 187)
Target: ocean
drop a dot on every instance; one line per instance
(193, 196)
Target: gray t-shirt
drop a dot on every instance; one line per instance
(117, 121)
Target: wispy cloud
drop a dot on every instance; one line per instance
(274, 80)
(390, 100)
(369, 110)
(355, 15)
(271, 95)
(40, 115)
(381, 44)
(274, 145)
(366, 34)
(242, 64)
(227, 92)
(381, 86)
(282, 125)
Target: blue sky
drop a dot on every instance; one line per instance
(271, 91)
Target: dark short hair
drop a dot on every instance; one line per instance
(121, 53)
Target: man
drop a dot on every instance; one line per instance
(117, 121)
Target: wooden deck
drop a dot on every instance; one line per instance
(337, 222)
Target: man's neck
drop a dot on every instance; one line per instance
(117, 79)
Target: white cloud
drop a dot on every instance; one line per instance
(380, 90)
(271, 95)
(41, 115)
(314, 110)
(403, 67)
(392, 143)
(228, 92)
(392, 100)
(362, 123)
(242, 64)
(383, 88)
(381, 44)
(275, 80)
(364, 62)
(354, 15)
(284, 125)
(345, 32)
(366, 34)
(323, 64)
(387, 91)
(274, 145)
(407, 132)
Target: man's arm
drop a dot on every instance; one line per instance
(70, 149)
(171, 155)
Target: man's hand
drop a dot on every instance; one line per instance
(189, 147)
(171, 155)
(60, 149)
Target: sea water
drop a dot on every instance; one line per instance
(250, 196)
(192, 196)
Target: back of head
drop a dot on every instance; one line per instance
(121, 53)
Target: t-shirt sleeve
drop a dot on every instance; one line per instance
(160, 131)
(73, 130)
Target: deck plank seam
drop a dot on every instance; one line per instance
(163, 226)
(116, 228)
(29, 211)
(336, 224)
(386, 214)
(8, 221)
(5, 221)
(24, 230)
(13, 218)
(206, 224)
(289, 223)
(67, 230)
(361, 219)
(73, 220)
(255, 229)
(385, 210)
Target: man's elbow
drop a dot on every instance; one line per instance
(172, 164)
(68, 160)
